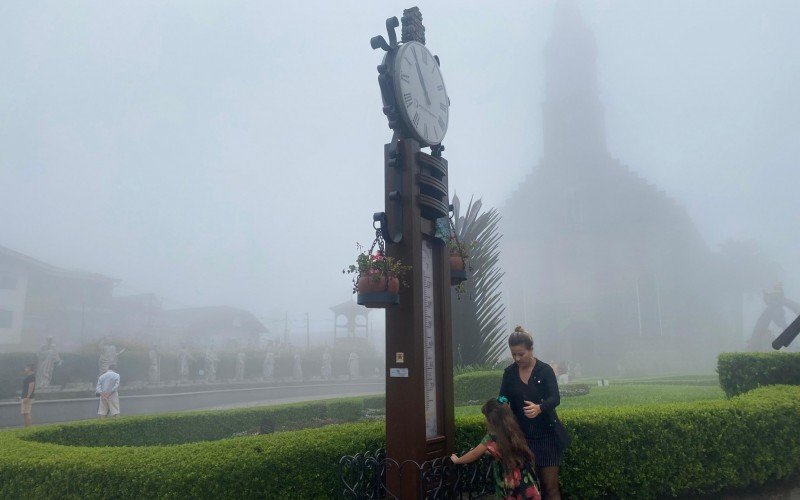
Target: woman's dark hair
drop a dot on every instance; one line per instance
(502, 425)
(520, 337)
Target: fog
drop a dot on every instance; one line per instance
(231, 153)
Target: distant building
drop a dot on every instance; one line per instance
(225, 327)
(38, 300)
(604, 268)
(135, 316)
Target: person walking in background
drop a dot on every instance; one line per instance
(27, 394)
(532, 390)
(107, 387)
(512, 468)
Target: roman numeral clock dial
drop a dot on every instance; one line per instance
(420, 93)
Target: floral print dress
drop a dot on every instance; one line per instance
(515, 484)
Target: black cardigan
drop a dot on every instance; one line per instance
(542, 389)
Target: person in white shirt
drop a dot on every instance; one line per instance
(107, 386)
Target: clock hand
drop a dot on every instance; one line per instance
(421, 79)
(423, 108)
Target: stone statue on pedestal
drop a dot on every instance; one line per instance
(297, 371)
(211, 365)
(108, 354)
(240, 359)
(352, 365)
(48, 359)
(327, 365)
(269, 365)
(184, 358)
(154, 371)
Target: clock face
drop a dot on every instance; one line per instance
(420, 93)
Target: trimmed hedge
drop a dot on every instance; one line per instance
(629, 452)
(743, 371)
(194, 426)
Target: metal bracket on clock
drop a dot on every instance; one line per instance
(380, 42)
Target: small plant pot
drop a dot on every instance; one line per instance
(458, 272)
(373, 291)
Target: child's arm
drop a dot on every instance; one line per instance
(470, 456)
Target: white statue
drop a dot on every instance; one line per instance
(48, 359)
(211, 365)
(184, 358)
(240, 358)
(297, 371)
(327, 365)
(352, 365)
(154, 372)
(108, 354)
(269, 365)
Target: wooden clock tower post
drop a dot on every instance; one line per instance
(419, 383)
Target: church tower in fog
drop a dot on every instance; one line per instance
(602, 267)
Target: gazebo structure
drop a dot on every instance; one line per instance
(351, 312)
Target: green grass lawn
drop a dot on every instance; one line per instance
(627, 395)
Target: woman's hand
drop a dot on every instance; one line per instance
(531, 410)
(454, 458)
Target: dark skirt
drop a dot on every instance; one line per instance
(546, 450)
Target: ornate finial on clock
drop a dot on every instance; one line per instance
(413, 30)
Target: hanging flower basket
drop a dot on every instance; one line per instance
(377, 277)
(375, 282)
(375, 292)
(458, 262)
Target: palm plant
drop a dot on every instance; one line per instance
(478, 314)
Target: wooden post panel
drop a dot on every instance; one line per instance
(419, 380)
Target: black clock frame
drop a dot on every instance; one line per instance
(386, 79)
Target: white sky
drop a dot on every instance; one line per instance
(231, 152)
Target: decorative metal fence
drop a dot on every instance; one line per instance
(363, 477)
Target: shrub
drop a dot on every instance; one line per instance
(188, 427)
(628, 452)
(299, 464)
(743, 371)
(703, 447)
(476, 387)
(375, 402)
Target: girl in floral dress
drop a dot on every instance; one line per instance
(512, 465)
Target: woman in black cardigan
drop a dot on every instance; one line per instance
(532, 390)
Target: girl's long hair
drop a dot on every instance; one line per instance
(501, 423)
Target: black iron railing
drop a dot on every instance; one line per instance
(363, 477)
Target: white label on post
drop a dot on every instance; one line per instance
(428, 317)
(398, 372)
